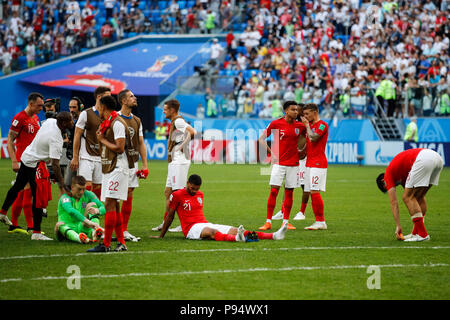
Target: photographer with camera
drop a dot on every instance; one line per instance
(75, 108)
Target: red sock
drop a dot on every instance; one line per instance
(28, 207)
(3, 212)
(264, 235)
(118, 228)
(318, 207)
(303, 207)
(110, 223)
(126, 212)
(272, 202)
(224, 237)
(420, 227)
(287, 203)
(16, 209)
(98, 192)
(261, 235)
(414, 231)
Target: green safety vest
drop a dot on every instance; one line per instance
(298, 95)
(160, 133)
(386, 90)
(408, 133)
(445, 104)
(276, 109)
(211, 108)
(209, 24)
(344, 100)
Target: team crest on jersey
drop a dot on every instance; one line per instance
(297, 131)
(321, 127)
(83, 205)
(199, 200)
(15, 122)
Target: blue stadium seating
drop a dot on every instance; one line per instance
(30, 4)
(82, 4)
(132, 34)
(101, 21)
(182, 4)
(142, 5)
(190, 3)
(94, 4)
(162, 5)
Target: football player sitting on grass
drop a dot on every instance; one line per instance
(78, 214)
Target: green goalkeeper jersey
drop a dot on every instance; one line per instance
(71, 211)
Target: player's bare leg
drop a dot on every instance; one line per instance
(410, 198)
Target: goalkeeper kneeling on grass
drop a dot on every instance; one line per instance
(78, 214)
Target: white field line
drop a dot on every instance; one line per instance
(227, 271)
(111, 254)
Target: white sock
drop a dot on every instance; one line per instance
(285, 221)
(269, 220)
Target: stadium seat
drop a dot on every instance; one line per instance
(142, 5)
(29, 4)
(132, 34)
(156, 14)
(101, 21)
(190, 4)
(82, 4)
(162, 5)
(147, 13)
(182, 5)
(94, 4)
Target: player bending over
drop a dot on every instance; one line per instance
(78, 214)
(416, 170)
(188, 203)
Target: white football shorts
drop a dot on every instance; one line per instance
(115, 185)
(177, 175)
(426, 170)
(289, 174)
(301, 172)
(196, 230)
(90, 170)
(315, 179)
(133, 180)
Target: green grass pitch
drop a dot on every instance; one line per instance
(331, 264)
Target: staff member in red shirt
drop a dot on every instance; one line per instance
(416, 170)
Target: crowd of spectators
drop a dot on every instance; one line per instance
(337, 53)
(44, 30)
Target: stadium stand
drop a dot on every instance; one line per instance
(346, 56)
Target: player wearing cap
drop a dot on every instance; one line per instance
(416, 170)
(128, 101)
(288, 134)
(24, 128)
(316, 162)
(86, 149)
(188, 203)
